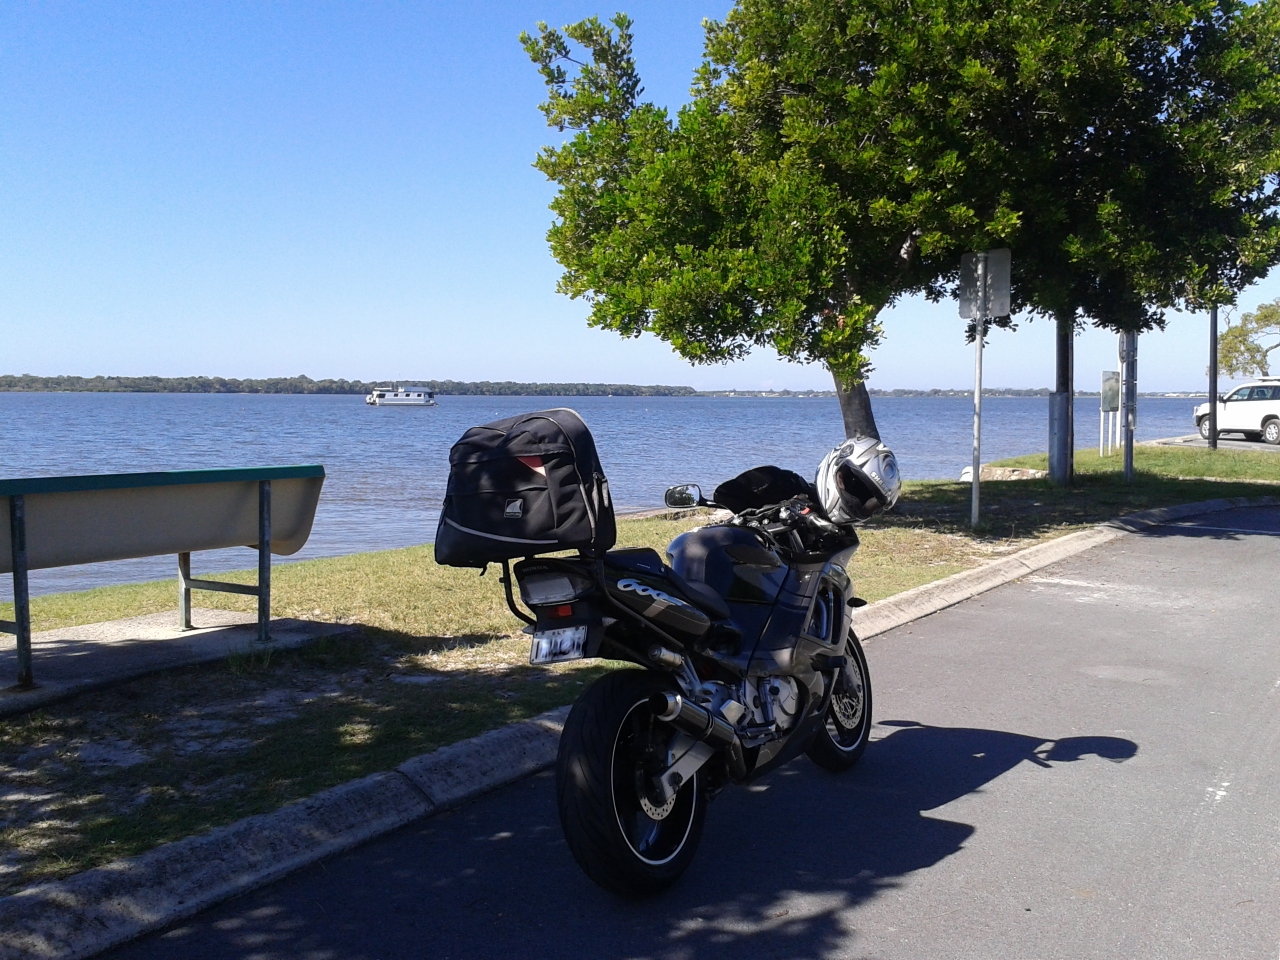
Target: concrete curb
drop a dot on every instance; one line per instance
(902, 608)
(104, 907)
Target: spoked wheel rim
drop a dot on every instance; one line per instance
(1271, 432)
(656, 831)
(848, 704)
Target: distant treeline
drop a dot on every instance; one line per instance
(457, 388)
(304, 384)
(1010, 392)
(508, 388)
(986, 392)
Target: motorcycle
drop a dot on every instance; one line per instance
(747, 659)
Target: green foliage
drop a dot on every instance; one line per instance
(1243, 350)
(1154, 161)
(835, 157)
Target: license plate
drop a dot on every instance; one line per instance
(553, 646)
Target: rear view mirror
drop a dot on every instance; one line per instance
(683, 495)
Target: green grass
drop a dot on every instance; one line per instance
(213, 744)
(1162, 461)
(1163, 476)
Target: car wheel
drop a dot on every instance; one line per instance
(1271, 432)
(1203, 426)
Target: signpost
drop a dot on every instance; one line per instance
(1129, 398)
(984, 293)
(1213, 377)
(1107, 409)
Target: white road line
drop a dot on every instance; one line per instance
(1063, 582)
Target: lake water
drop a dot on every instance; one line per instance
(387, 467)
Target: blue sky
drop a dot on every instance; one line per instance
(345, 190)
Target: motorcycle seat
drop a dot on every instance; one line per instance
(646, 559)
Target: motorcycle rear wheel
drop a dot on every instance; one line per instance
(622, 836)
(842, 738)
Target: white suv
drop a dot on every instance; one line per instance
(1253, 410)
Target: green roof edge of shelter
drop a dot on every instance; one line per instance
(166, 478)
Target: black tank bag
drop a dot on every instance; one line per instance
(526, 485)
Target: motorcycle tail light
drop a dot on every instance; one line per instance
(564, 610)
(545, 590)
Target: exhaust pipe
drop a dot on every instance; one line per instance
(701, 724)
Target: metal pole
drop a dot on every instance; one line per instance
(264, 560)
(184, 591)
(21, 596)
(1130, 400)
(980, 327)
(1102, 430)
(1213, 377)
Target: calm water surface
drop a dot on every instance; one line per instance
(387, 467)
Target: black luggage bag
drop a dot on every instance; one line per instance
(522, 486)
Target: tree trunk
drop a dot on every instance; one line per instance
(1062, 425)
(855, 407)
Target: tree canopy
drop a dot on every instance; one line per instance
(1245, 348)
(835, 156)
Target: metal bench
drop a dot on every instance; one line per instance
(60, 521)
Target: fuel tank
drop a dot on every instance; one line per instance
(731, 561)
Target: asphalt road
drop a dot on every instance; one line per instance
(1079, 764)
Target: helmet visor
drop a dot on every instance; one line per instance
(859, 494)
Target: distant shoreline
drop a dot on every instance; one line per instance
(303, 385)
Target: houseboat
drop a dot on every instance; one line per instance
(401, 396)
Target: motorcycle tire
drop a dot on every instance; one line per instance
(842, 738)
(619, 836)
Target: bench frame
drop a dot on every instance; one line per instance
(20, 626)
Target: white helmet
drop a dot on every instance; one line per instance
(857, 479)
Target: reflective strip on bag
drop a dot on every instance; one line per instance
(494, 536)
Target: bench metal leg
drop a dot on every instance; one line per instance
(187, 583)
(21, 597)
(264, 560)
(184, 591)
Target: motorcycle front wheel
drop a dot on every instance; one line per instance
(622, 834)
(841, 740)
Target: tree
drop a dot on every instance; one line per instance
(786, 205)
(1243, 350)
(837, 156)
(1164, 193)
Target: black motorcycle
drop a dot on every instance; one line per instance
(748, 659)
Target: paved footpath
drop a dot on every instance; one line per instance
(1232, 441)
(1083, 763)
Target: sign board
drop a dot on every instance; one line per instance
(999, 263)
(1110, 391)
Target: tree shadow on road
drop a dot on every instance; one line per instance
(780, 865)
(790, 902)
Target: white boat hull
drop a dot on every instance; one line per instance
(401, 397)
